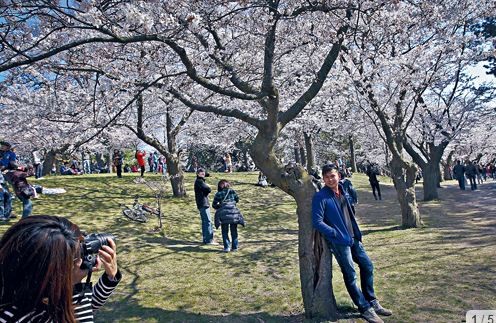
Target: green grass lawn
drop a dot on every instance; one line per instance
(431, 274)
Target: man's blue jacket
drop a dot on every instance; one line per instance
(328, 218)
(7, 159)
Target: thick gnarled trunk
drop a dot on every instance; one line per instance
(49, 162)
(431, 175)
(310, 153)
(314, 256)
(404, 182)
(176, 178)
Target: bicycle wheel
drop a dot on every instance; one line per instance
(150, 209)
(134, 215)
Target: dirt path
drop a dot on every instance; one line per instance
(440, 271)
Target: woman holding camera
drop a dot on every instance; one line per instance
(40, 273)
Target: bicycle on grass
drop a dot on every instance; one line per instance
(140, 212)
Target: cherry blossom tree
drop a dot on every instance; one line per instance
(393, 68)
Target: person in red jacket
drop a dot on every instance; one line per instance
(140, 157)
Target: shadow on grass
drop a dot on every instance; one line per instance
(137, 313)
(389, 229)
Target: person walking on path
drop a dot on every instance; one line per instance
(333, 217)
(201, 196)
(372, 173)
(140, 158)
(459, 174)
(471, 172)
(227, 215)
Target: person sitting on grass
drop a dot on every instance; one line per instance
(40, 270)
(66, 170)
(227, 215)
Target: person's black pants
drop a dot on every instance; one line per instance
(119, 170)
(375, 186)
(473, 183)
(142, 170)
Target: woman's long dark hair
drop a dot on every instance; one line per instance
(36, 265)
(223, 183)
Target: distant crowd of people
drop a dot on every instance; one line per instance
(156, 164)
(473, 172)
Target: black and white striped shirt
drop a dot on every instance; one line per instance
(85, 303)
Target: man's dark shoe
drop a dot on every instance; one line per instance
(371, 317)
(379, 309)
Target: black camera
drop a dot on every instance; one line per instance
(90, 246)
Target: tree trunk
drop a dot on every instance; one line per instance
(99, 159)
(49, 161)
(352, 155)
(430, 181)
(303, 157)
(171, 154)
(405, 189)
(176, 177)
(108, 160)
(314, 256)
(447, 166)
(297, 154)
(310, 153)
(315, 263)
(440, 177)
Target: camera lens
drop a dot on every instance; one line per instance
(94, 241)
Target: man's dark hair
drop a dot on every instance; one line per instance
(5, 143)
(327, 168)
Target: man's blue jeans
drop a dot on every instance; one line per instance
(234, 236)
(5, 202)
(27, 206)
(345, 257)
(207, 229)
(86, 166)
(39, 170)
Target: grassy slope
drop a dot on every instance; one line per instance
(433, 274)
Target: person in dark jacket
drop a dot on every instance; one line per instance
(471, 172)
(227, 215)
(349, 190)
(201, 196)
(372, 173)
(459, 174)
(117, 159)
(23, 191)
(333, 217)
(8, 158)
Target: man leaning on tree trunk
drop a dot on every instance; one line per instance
(333, 216)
